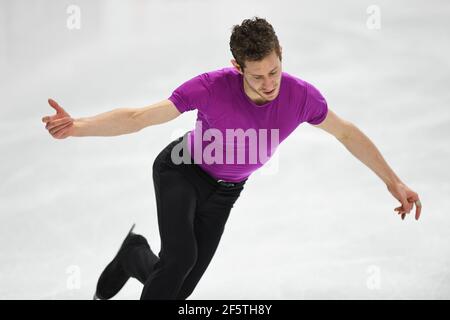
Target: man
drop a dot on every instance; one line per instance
(195, 196)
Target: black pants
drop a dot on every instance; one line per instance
(193, 208)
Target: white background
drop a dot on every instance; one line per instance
(322, 226)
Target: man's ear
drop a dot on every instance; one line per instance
(236, 65)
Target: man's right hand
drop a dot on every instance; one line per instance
(60, 125)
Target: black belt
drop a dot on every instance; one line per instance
(226, 184)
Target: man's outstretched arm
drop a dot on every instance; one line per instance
(112, 123)
(364, 149)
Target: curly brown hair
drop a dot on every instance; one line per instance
(253, 40)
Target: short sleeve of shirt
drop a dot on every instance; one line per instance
(315, 109)
(193, 94)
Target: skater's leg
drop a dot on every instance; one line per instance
(176, 205)
(209, 224)
(208, 228)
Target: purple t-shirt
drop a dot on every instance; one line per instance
(233, 125)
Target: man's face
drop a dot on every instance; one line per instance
(262, 78)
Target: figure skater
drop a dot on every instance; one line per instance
(194, 196)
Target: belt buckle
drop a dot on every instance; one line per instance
(226, 184)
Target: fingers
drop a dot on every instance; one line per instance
(55, 106)
(406, 205)
(415, 200)
(51, 118)
(408, 199)
(58, 109)
(401, 210)
(404, 209)
(418, 205)
(402, 214)
(418, 210)
(56, 129)
(52, 124)
(63, 133)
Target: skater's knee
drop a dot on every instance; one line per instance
(183, 262)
